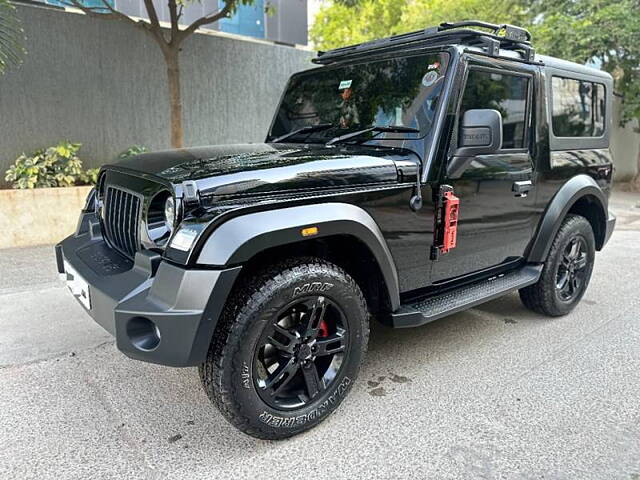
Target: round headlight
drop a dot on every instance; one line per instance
(161, 219)
(170, 212)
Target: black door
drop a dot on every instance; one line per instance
(495, 223)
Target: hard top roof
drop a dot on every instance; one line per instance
(568, 66)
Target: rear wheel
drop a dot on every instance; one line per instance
(288, 348)
(566, 272)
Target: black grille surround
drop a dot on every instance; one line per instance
(121, 219)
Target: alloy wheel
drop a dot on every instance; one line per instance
(572, 269)
(300, 353)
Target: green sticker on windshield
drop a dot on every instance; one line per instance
(344, 84)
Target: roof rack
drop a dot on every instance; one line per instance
(500, 36)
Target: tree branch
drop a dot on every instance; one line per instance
(153, 15)
(214, 17)
(173, 15)
(91, 11)
(154, 27)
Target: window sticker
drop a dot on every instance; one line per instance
(430, 78)
(344, 84)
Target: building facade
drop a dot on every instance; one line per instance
(286, 22)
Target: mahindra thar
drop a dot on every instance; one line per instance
(402, 179)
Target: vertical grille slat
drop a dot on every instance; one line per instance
(116, 213)
(126, 227)
(121, 220)
(114, 218)
(132, 227)
(121, 234)
(130, 224)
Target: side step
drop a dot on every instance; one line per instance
(431, 308)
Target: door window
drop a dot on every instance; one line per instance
(505, 93)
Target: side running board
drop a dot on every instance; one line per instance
(431, 308)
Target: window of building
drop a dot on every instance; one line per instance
(578, 108)
(87, 3)
(502, 92)
(248, 20)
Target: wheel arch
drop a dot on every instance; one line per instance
(580, 195)
(345, 234)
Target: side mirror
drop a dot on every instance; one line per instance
(480, 134)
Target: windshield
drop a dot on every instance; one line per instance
(401, 92)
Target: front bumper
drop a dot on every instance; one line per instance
(158, 312)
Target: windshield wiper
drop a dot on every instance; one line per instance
(307, 129)
(378, 129)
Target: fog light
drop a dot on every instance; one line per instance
(143, 334)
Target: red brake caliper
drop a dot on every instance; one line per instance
(323, 329)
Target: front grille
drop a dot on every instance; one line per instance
(122, 219)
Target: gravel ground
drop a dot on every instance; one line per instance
(494, 392)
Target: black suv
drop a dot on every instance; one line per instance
(403, 179)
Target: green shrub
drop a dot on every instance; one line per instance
(89, 176)
(57, 166)
(132, 151)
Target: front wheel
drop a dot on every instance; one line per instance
(566, 272)
(288, 348)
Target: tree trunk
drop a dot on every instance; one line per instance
(175, 97)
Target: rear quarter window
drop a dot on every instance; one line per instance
(578, 108)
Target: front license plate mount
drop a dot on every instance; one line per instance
(77, 285)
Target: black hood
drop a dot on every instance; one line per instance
(263, 168)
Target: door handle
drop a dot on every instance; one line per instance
(521, 189)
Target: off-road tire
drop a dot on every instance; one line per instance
(228, 375)
(543, 297)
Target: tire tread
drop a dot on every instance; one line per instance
(245, 300)
(540, 297)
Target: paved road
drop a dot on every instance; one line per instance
(495, 392)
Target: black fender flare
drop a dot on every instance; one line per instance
(576, 188)
(240, 238)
